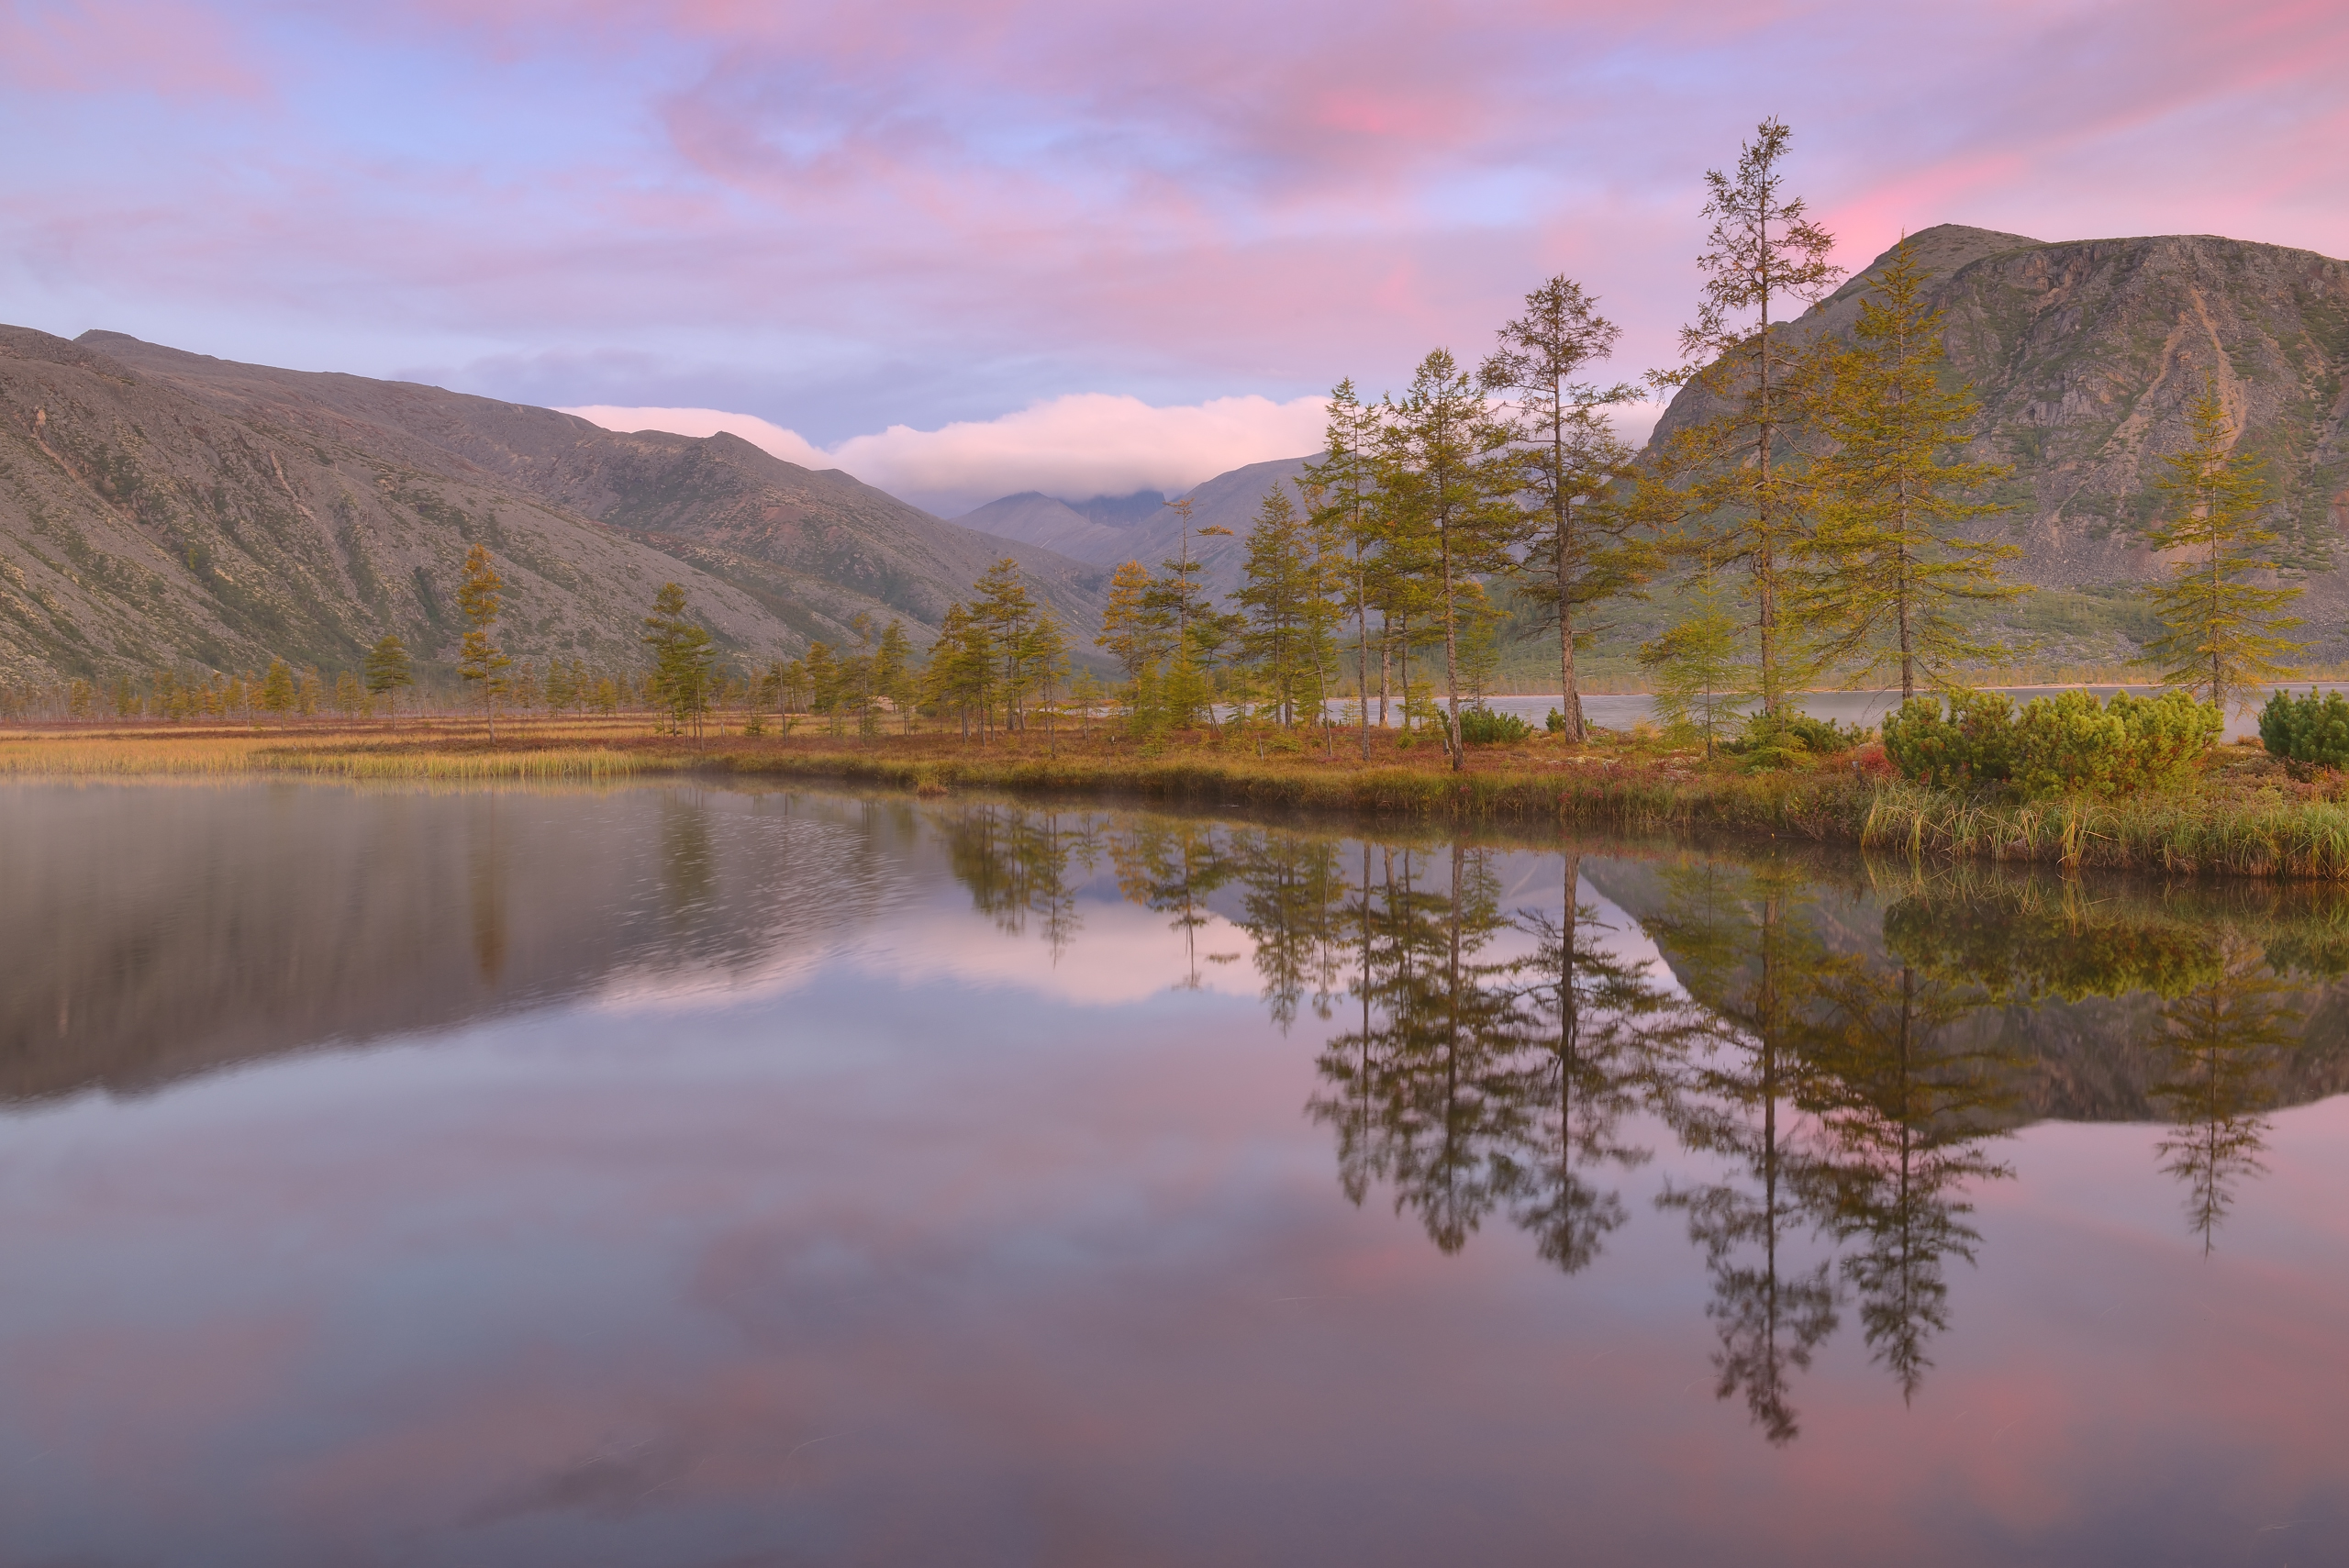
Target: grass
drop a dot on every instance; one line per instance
(2247, 817)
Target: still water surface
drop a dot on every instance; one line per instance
(680, 1176)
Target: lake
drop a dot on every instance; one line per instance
(683, 1176)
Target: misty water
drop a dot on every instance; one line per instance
(674, 1175)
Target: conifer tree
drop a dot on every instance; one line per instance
(1046, 660)
(1177, 594)
(1287, 593)
(823, 680)
(1765, 255)
(1437, 449)
(390, 671)
(277, 688)
(1000, 604)
(1133, 630)
(893, 663)
(1345, 487)
(683, 660)
(1568, 464)
(480, 596)
(561, 693)
(1894, 561)
(1699, 681)
(2222, 628)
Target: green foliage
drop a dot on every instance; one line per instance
(1790, 736)
(276, 689)
(2310, 730)
(1744, 505)
(1699, 681)
(1888, 567)
(1481, 726)
(1289, 593)
(2060, 745)
(683, 660)
(2224, 627)
(1570, 470)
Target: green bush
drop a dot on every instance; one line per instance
(2063, 744)
(2067, 742)
(1483, 727)
(1555, 723)
(2168, 738)
(2309, 729)
(1971, 747)
(1786, 740)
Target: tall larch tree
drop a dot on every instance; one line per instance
(1764, 258)
(1567, 460)
(1897, 557)
(1439, 443)
(2224, 609)
(481, 596)
(1345, 485)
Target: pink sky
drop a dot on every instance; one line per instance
(840, 218)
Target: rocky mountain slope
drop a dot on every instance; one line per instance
(164, 508)
(2085, 354)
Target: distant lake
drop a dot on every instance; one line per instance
(676, 1175)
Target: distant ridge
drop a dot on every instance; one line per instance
(162, 509)
(1109, 530)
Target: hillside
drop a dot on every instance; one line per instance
(1110, 530)
(160, 507)
(2085, 354)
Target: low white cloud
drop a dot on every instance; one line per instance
(787, 445)
(1082, 445)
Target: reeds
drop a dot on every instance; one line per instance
(2227, 826)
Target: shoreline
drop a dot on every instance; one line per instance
(2247, 817)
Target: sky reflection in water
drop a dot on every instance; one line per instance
(703, 1177)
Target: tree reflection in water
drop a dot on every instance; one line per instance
(1840, 1058)
(2223, 1040)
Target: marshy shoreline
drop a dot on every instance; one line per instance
(2246, 815)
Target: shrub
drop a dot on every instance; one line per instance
(2310, 730)
(2168, 736)
(1786, 740)
(1971, 747)
(1556, 723)
(1483, 727)
(2063, 744)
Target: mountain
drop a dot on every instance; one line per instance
(1111, 530)
(2085, 354)
(161, 508)
(1032, 517)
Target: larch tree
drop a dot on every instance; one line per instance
(1287, 593)
(1439, 441)
(1133, 630)
(1897, 559)
(389, 670)
(481, 596)
(684, 661)
(1567, 462)
(277, 694)
(2224, 611)
(1345, 482)
(1765, 255)
(1000, 602)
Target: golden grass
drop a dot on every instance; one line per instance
(2248, 818)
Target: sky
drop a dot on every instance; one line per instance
(964, 250)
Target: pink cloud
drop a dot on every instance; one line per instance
(115, 45)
